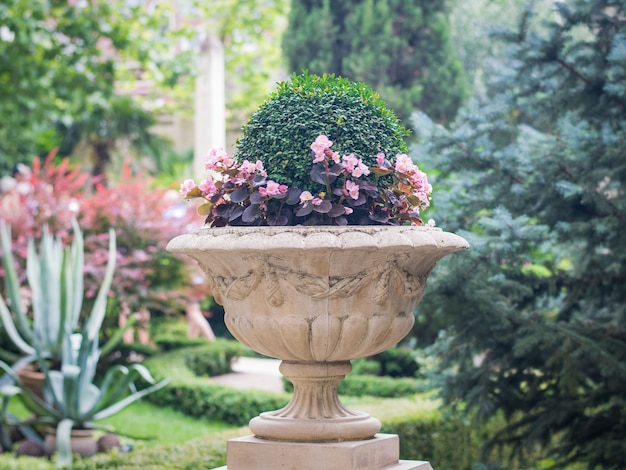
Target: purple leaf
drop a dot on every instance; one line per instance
(236, 212)
(293, 196)
(304, 210)
(277, 220)
(251, 213)
(358, 201)
(337, 210)
(259, 180)
(380, 217)
(223, 210)
(318, 175)
(256, 198)
(323, 208)
(240, 194)
(341, 220)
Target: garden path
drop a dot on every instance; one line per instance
(253, 373)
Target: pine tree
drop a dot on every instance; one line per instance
(535, 311)
(400, 48)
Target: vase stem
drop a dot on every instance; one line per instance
(315, 413)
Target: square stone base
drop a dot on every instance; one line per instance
(379, 453)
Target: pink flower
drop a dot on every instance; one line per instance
(360, 169)
(430, 223)
(354, 166)
(259, 168)
(352, 189)
(316, 201)
(319, 148)
(349, 162)
(218, 158)
(246, 169)
(380, 159)
(208, 188)
(348, 210)
(305, 196)
(404, 164)
(272, 188)
(335, 157)
(186, 187)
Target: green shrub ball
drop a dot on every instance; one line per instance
(350, 114)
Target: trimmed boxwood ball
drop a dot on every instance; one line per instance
(350, 114)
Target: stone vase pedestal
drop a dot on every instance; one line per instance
(317, 297)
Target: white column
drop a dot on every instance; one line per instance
(210, 103)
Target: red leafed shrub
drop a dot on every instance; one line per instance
(145, 218)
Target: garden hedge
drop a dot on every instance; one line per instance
(198, 397)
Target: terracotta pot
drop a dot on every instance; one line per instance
(82, 442)
(33, 380)
(317, 297)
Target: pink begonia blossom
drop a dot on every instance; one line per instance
(352, 189)
(349, 162)
(360, 170)
(208, 188)
(316, 201)
(217, 158)
(272, 188)
(335, 157)
(354, 166)
(404, 164)
(348, 210)
(380, 159)
(319, 148)
(186, 187)
(305, 196)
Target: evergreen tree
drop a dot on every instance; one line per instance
(535, 311)
(400, 48)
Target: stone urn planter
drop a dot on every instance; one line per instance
(316, 298)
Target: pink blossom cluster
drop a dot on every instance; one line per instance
(225, 168)
(272, 188)
(391, 192)
(412, 188)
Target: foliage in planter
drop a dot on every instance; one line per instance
(214, 358)
(320, 151)
(350, 114)
(55, 276)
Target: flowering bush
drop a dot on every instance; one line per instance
(142, 214)
(348, 192)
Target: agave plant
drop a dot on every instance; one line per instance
(55, 335)
(55, 280)
(74, 401)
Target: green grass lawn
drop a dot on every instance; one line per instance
(162, 425)
(152, 424)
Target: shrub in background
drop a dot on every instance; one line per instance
(214, 358)
(146, 275)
